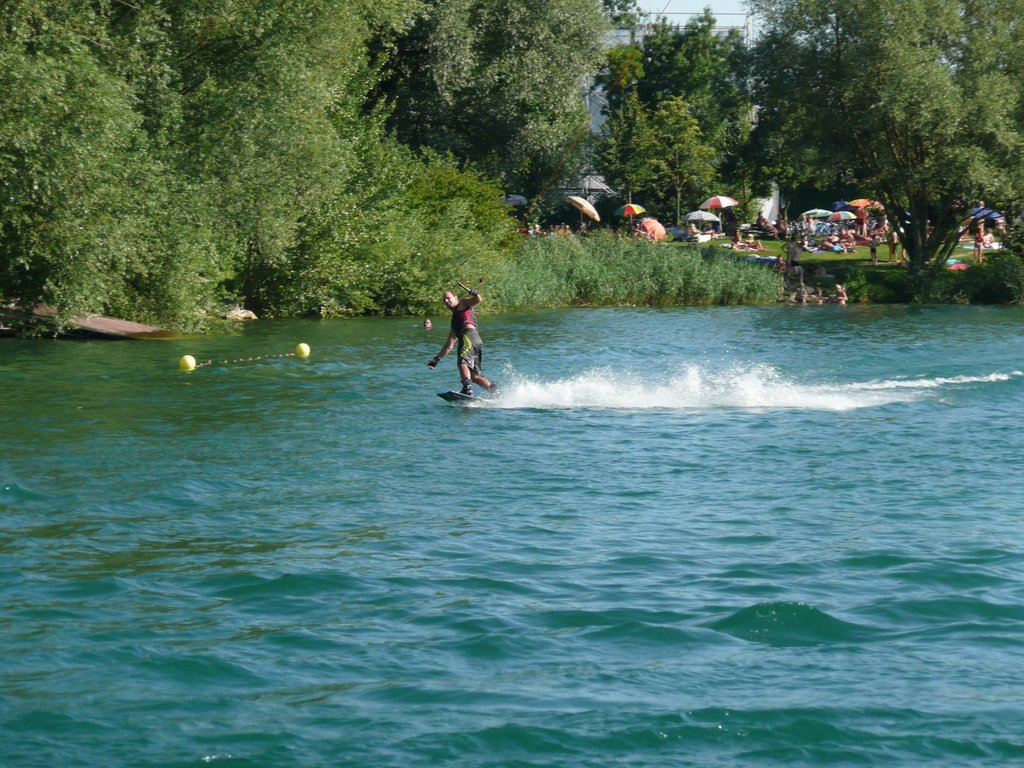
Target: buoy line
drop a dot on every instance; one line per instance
(188, 363)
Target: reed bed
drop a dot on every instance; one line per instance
(605, 270)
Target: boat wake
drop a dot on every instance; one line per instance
(696, 387)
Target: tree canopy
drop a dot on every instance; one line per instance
(161, 158)
(497, 83)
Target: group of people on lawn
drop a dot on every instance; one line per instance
(870, 228)
(793, 288)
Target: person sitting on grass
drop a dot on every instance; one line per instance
(847, 241)
(829, 243)
(737, 243)
(792, 251)
(754, 245)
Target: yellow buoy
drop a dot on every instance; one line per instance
(302, 350)
(187, 363)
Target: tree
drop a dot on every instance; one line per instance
(91, 216)
(622, 13)
(627, 150)
(161, 158)
(497, 83)
(917, 101)
(704, 68)
(272, 98)
(682, 162)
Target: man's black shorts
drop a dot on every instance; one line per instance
(471, 350)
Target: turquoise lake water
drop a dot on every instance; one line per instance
(783, 536)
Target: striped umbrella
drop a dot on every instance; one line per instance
(718, 201)
(630, 209)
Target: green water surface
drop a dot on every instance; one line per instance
(686, 537)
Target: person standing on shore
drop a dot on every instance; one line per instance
(464, 333)
(892, 239)
(979, 241)
(793, 248)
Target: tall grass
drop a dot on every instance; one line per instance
(602, 269)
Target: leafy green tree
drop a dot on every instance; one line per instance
(161, 158)
(707, 70)
(88, 214)
(698, 63)
(917, 101)
(625, 68)
(621, 13)
(683, 163)
(272, 120)
(703, 67)
(628, 152)
(410, 227)
(497, 83)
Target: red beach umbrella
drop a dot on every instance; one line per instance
(719, 201)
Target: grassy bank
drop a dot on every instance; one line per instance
(1000, 280)
(602, 269)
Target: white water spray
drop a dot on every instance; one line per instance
(696, 387)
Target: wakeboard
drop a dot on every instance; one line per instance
(457, 397)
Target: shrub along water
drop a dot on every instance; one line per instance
(602, 269)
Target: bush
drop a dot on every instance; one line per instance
(999, 280)
(378, 252)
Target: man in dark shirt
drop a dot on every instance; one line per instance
(464, 333)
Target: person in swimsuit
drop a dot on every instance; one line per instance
(979, 242)
(464, 333)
